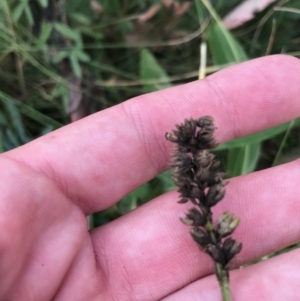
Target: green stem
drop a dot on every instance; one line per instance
(222, 273)
(223, 279)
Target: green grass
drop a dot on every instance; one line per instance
(49, 49)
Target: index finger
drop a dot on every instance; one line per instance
(98, 160)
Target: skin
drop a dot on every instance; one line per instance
(48, 186)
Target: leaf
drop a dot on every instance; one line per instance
(43, 3)
(45, 33)
(58, 57)
(63, 92)
(224, 47)
(245, 12)
(96, 34)
(75, 64)
(11, 139)
(46, 130)
(80, 18)
(82, 56)
(243, 149)
(17, 13)
(243, 160)
(130, 201)
(258, 137)
(127, 204)
(16, 121)
(3, 120)
(30, 112)
(166, 182)
(151, 70)
(29, 15)
(67, 31)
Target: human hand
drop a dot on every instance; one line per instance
(48, 186)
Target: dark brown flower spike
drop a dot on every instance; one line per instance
(198, 180)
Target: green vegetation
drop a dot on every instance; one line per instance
(57, 57)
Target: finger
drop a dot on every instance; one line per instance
(98, 160)
(151, 249)
(275, 279)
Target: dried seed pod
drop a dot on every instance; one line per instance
(195, 201)
(215, 194)
(216, 253)
(186, 221)
(204, 159)
(184, 135)
(198, 181)
(205, 134)
(200, 236)
(189, 127)
(205, 121)
(172, 137)
(196, 193)
(196, 216)
(230, 248)
(183, 201)
(226, 224)
(182, 160)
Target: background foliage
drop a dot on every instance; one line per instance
(62, 60)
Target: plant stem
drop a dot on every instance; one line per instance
(223, 279)
(222, 273)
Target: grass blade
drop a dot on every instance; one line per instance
(30, 112)
(150, 69)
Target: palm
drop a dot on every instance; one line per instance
(45, 241)
(50, 185)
